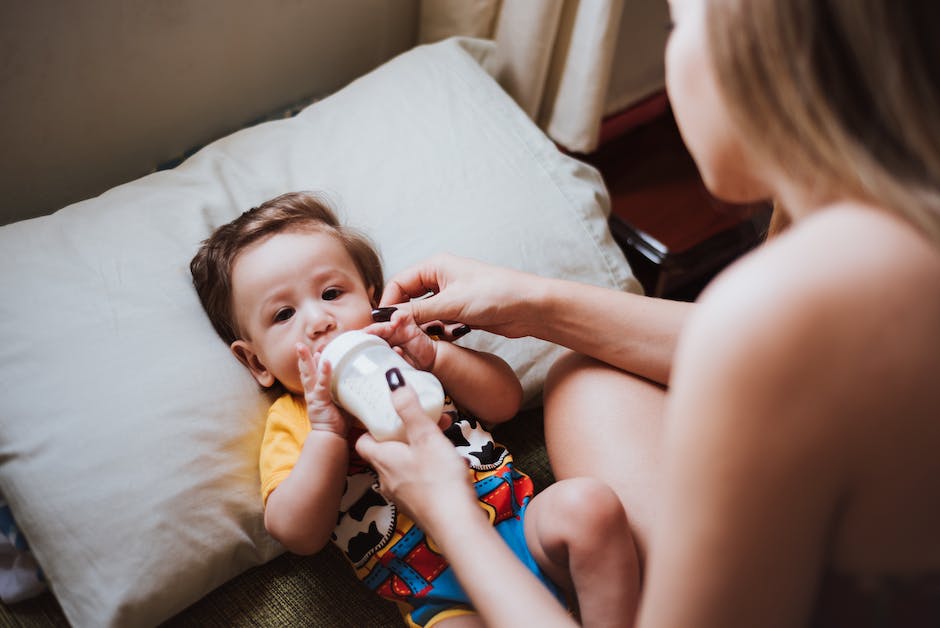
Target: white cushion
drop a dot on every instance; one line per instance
(129, 435)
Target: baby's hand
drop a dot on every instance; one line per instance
(322, 412)
(408, 339)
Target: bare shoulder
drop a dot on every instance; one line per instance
(844, 308)
(828, 338)
(802, 412)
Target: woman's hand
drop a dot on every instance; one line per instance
(475, 293)
(634, 333)
(425, 476)
(315, 377)
(429, 481)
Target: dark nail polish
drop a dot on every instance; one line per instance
(383, 314)
(463, 330)
(394, 378)
(434, 330)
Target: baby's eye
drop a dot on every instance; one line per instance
(331, 293)
(283, 314)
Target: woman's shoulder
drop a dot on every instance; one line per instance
(846, 245)
(820, 351)
(849, 265)
(846, 296)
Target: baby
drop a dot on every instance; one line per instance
(280, 282)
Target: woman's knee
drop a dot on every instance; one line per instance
(568, 366)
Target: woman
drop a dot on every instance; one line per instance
(775, 444)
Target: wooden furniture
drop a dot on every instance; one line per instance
(675, 234)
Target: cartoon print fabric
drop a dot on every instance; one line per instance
(394, 557)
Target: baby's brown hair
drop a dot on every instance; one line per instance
(292, 212)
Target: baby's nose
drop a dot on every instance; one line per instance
(317, 320)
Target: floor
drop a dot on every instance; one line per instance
(675, 234)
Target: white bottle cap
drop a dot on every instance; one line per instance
(339, 347)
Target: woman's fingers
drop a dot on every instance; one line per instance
(457, 292)
(453, 331)
(417, 424)
(422, 287)
(420, 430)
(413, 282)
(446, 330)
(437, 329)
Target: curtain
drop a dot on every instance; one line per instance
(553, 57)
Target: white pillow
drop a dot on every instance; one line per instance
(128, 434)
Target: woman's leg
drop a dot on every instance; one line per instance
(578, 533)
(604, 423)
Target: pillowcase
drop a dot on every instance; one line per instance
(129, 435)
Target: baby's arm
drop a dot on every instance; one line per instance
(301, 512)
(483, 384)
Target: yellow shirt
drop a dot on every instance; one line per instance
(284, 435)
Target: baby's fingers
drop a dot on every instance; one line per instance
(314, 374)
(319, 393)
(305, 364)
(324, 375)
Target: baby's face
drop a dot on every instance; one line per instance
(294, 288)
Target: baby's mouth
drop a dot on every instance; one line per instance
(320, 344)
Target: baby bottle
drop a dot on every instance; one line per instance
(358, 385)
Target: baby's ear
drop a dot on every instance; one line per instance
(246, 355)
(372, 298)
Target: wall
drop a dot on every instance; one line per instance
(94, 93)
(639, 59)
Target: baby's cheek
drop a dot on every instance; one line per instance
(292, 380)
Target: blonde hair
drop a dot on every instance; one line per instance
(844, 95)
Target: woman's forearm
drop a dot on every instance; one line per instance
(635, 333)
(513, 597)
(632, 332)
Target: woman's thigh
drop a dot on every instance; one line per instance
(604, 423)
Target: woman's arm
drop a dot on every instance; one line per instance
(629, 331)
(428, 479)
(754, 460)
